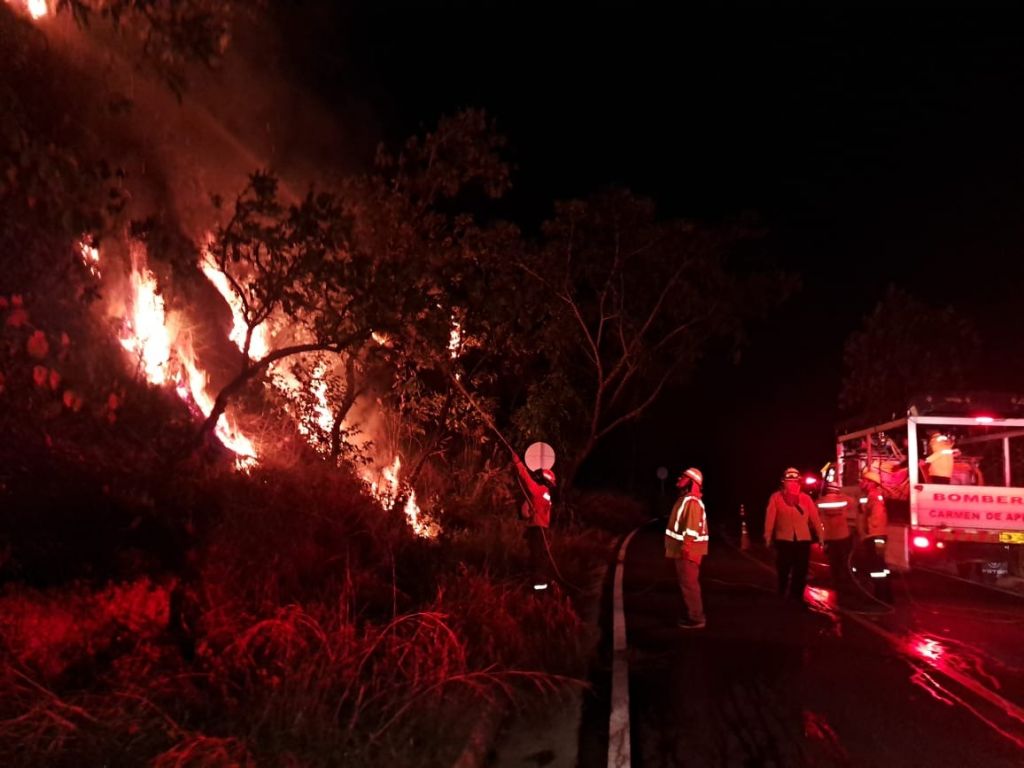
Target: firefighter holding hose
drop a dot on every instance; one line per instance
(539, 486)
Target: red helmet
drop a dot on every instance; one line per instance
(548, 475)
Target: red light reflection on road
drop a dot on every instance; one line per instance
(945, 655)
(927, 648)
(822, 598)
(817, 728)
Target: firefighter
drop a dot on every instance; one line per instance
(686, 543)
(833, 508)
(536, 512)
(873, 526)
(938, 466)
(790, 522)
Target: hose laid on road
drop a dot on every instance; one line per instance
(888, 608)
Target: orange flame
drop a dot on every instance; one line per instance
(324, 415)
(91, 258)
(385, 489)
(455, 339)
(37, 9)
(147, 336)
(166, 356)
(258, 344)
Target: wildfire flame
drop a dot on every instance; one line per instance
(259, 346)
(455, 339)
(385, 489)
(324, 416)
(166, 356)
(36, 9)
(147, 337)
(91, 258)
(385, 485)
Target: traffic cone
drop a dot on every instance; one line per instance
(744, 535)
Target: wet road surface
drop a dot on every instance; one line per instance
(937, 681)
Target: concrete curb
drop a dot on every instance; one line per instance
(481, 738)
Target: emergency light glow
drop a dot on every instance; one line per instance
(809, 481)
(922, 542)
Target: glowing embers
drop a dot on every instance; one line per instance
(91, 258)
(455, 340)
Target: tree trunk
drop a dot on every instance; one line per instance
(345, 406)
(247, 373)
(434, 438)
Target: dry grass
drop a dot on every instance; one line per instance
(310, 684)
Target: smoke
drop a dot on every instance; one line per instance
(175, 152)
(179, 151)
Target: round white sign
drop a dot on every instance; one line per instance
(540, 456)
(662, 473)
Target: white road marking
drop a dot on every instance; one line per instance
(618, 720)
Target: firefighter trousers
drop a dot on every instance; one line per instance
(878, 571)
(838, 551)
(791, 562)
(688, 574)
(538, 556)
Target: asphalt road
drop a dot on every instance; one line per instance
(936, 681)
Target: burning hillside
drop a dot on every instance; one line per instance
(227, 386)
(180, 155)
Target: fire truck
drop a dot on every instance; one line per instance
(972, 522)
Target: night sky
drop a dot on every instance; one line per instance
(879, 153)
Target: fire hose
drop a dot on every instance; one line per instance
(483, 414)
(494, 428)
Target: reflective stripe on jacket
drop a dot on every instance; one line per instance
(834, 509)
(687, 531)
(874, 518)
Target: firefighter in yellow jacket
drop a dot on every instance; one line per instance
(686, 543)
(873, 526)
(835, 509)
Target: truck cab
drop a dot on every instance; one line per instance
(948, 470)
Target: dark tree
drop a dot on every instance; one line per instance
(632, 302)
(905, 347)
